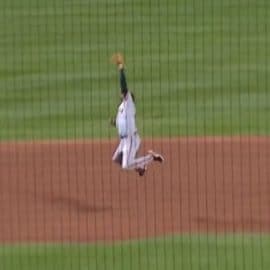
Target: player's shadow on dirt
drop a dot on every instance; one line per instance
(78, 205)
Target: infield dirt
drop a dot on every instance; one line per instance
(61, 191)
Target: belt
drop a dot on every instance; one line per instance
(125, 136)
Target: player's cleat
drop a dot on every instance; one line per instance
(141, 171)
(156, 156)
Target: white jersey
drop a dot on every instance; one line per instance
(125, 119)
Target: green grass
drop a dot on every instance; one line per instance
(196, 67)
(241, 252)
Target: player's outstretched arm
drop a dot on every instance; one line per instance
(118, 60)
(123, 81)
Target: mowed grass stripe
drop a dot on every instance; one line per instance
(182, 252)
(197, 68)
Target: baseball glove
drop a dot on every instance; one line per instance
(117, 59)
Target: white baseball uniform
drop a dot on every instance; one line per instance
(129, 138)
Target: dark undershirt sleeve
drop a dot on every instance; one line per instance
(123, 82)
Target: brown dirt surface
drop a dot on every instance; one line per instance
(61, 191)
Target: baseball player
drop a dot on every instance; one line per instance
(126, 152)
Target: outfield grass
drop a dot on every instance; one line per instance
(196, 67)
(187, 252)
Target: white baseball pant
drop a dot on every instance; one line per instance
(128, 148)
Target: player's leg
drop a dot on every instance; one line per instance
(118, 154)
(137, 145)
(131, 162)
(141, 162)
(134, 153)
(140, 171)
(126, 150)
(156, 156)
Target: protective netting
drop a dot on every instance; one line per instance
(199, 71)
